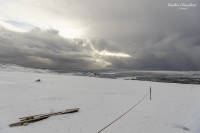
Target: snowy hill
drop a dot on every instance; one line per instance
(174, 108)
(17, 68)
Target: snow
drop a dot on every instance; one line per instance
(14, 68)
(174, 108)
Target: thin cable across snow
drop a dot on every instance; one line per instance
(124, 113)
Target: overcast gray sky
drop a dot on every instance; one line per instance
(100, 34)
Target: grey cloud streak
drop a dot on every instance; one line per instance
(47, 49)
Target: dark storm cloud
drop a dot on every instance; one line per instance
(162, 38)
(155, 35)
(47, 49)
(106, 45)
(170, 52)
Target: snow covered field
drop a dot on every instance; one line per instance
(174, 108)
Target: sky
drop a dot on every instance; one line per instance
(101, 34)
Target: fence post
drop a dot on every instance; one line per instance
(150, 92)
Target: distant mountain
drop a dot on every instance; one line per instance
(17, 68)
(184, 77)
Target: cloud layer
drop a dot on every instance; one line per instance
(151, 34)
(47, 49)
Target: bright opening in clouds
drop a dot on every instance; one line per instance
(15, 26)
(133, 34)
(107, 53)
(72, 33)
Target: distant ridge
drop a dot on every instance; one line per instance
(16, 68)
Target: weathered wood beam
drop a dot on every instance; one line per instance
(28, 121)
(34, 118)
(51, 114)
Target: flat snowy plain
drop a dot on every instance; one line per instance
(174, 108)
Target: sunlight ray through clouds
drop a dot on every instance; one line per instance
(107, 53)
